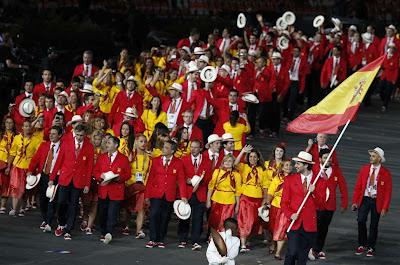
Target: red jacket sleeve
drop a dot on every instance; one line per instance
(344, 196)
(59, 162)
(357, 189)
(181, 180)
(285, 201)
(35, 161)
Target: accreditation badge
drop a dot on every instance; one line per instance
(174, 171)
(139, 177)
(84, 158)
(335, 178)
(119, 170)
(382, 183)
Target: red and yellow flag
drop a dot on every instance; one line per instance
(339, 106)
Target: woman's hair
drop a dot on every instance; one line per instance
(3, 125)
(159, 107)
(234, 117)
(139, 135)
(159, 129)
(272, 155)
(228, 156)
(180, 133)
(131, 135)
(260, 162)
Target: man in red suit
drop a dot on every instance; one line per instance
(203, 111)
(194, 131)
(200, 165)
(321, 143)
(223, 84)
(389, 76)
(295, 188)
(192, 41)
(46, 87)
(372, 194)
(165, 176)
(355, 53)
(212, 153)
(389, 39)
(174, 106)
(128, 98)
(242, 74)
(42, 163)
(18, 119)
(111, 193)
(333, 72)
(86, 69)
(334, 178)
(75, 163)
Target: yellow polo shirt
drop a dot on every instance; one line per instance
(237, 132)
(223, 191)
(141, 165)
(150, 120)
(23, 149)
(275, 190)
(108, 95)
(271, 170)
(5, 146)
(254, 186)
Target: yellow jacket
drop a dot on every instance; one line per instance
(108, 95)
(253, 185)
(224, 186)
(23, 149)
(5, 146)
(275, 190)
(141, 165)
(150, 120)
(271, 169)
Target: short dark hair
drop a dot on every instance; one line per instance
(198, 141)
(234, 91)
(115, 140)
(324, 151)
(58, 129)
(59, 113)
(172, 143)
(194, 31)
(80, 127)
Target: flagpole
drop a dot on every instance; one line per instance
(320, 172)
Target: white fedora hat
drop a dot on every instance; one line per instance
(195, 181)
(87, 88)
(32, 181)
(318, 21)
(63, 93)
(27, 107)
(380, 152)
(192, 67)
(225, 67)
(353, 28)
(303, 157)
(186, 49)
(283, 43)
(392, 27)
(337, 23)
(198, 51)
(263, 212)
(367, 37)
(228, 137)
(251, 98)
(276, 55)
(108, 176)
(281, 24)
(129, 112)
(182, 209)
(289, 17)
(176, 86)
(75, 118)
(204, 58)
(212, 138)
(51, 192)
(241, 21)
(208, 74)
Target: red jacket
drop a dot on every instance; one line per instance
(371, 53)
(79, 70)
(244, 80)
(71, 168)
(354, 59)
(382, 46)
(163, 182)
(189, 169)
(262, 84)
(40, 89)
(185, 88)
(40, 157)
(316, 53)
(18, 119)
(280, 81)
(121, 103)
(336, 179)
(303, 70)
(220, 158)
(120, 165)
(314, 151)
(183, 42)
(384, 189)
(222, 86)
(197, 101)
(341, 71)
(292, 197)
(166, 103)
(196, 134)
(390, 68)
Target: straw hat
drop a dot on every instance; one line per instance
(51, 192)
(32, 181)
(251, 98)
(198, 51)
(130, 112)
(195, 181)
(304, 157)
(226, 68)
(176, 86)
(379, 151)
(108, 177)
(87, 88)
(367, 37)
(318, 21)
(182, 209)
(276, 55)
(208, 74)
(204, 58)
(212, 138)
(241, 21)
(289, 17)
(27, 107)
(263, 212)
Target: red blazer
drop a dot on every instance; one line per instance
(39, 159)
(189, 171)
(185, 86)
(41, 89)
(183, 42)
(262, 85)
(281, 81)
(244, 80)
(18, 119)
(71, 168)
(315, 154)
(166, 102)
(292, 197)
(303, 70)
(354, 59)
(390, 68)
(317, 53)
(79, 70)
(220, 157)
(327, 71)
(115, 189)
(197, 101)
(222, 86)
(197, 134)
(371, 53)
(384, 190)
(162, 182)
(121, 103)
(396, 42)
(336, 179)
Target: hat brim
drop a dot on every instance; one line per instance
(109, 179)
(383, 159)
(29, 187)
(196, 186)
(298, 159)
(181, 216)
(254, 101)
(129, 114)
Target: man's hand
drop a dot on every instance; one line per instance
(85, 189)
(259, 17)
(7, 171)
(310, 142)
(354, 207)
(383, 212)
(51, 183)
(294, 217)
(236, 208)
(189, 181)
(247, 148)
(311, 188)
(184, 200)
(208, 204)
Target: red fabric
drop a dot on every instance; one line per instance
(121, 103)
(5, 184)
(293, 196)
(355, 59)
(167, 101)
(120, 166)
(244, 80)
(303, 71)
(183, 42)
(383, 44)
(280, 224)
(134, 197)
(220, 158)
(39, 159)
(371, 53)
(71, 168)
(17, 117)
(318, 55)
(218, 214)
(222, 86)
(390, 68)
(262, 85)
(327, 71)
(280, 82)
(197, 101)
(185, 87)
(17, 182)
(336, 179)
(315, 154)
(248, 219)
(197, 134)
(79, 70)
(162, 182)
(41, 89)
(190, 171)
(384, 190)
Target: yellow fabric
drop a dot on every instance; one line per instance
(161, 88)
(108, 95)
(271, 170)
(23, 149)
(140, 164)
(237, 132)
(183, 150)
(274, 192)
(39, 135)
(156, 153)
(5, 146)
(160, 61)
(223, 192)
(252, 188)
(123, 146)
(150, 120)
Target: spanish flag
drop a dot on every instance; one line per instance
(339, 106)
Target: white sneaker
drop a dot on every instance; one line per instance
(107, 238)
(12, 212)
(47, 228)
(311, 255)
